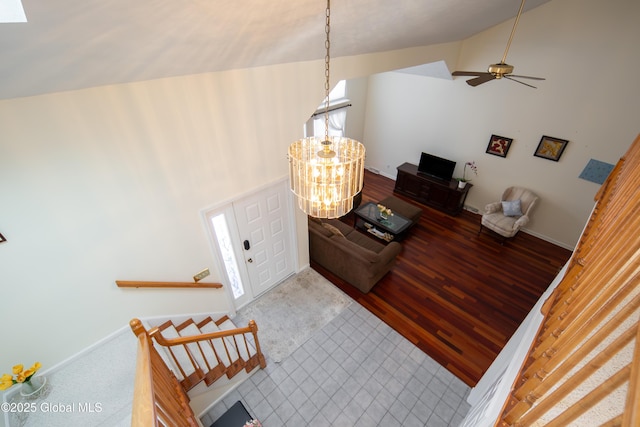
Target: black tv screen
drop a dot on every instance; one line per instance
(436, 167)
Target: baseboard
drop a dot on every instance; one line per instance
(76, 356)
(475, 210)
(378, 172)
(548, 239)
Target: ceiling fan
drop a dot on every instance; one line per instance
(501, 69)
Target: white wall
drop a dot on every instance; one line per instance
(586, 49)
(110, 184)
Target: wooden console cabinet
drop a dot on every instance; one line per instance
(442, 195)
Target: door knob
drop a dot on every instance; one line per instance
(250, 260)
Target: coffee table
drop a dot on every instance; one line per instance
(393, 228)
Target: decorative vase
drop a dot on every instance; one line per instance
(462, 184)
(32, 386)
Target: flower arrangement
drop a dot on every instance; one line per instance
(253, 423)
(474, 169)
(21, 376)
(385, 211)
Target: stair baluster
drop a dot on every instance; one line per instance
(161, 396)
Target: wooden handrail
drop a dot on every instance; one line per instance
(141, 284)
(144, 411)
(158, 398)
(170, 342)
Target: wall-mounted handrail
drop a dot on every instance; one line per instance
(141, 284)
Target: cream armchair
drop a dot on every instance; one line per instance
(507, 216)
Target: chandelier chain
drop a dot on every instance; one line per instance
(327, 45)
(326, 174)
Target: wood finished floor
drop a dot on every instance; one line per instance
(457, 295)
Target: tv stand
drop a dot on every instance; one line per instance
(439, 194)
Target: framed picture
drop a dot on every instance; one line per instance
(499, 145)
(2, 239)
(550, 148)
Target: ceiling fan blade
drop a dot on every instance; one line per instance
(527, 77)
(468, 73)
(481, 79)
(518, 81)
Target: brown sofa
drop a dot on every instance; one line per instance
(349, 254)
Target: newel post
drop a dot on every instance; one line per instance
(254, 331)
(136, 327)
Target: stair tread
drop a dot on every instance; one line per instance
(209, 328)
(170, 331)
(226, 325)
(203, 353)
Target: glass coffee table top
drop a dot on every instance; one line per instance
(394, 224)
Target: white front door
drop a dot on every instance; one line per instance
(254, 241)
(264, 227)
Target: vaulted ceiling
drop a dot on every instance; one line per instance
(74, 44)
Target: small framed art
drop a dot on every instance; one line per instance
(499, 145)
(2, 239)
(550, 148)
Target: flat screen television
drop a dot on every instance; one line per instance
(436, 167)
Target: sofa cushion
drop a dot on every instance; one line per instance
(345, 229)
(357, 250)
(366, 242)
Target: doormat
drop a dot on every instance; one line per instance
(291, 312)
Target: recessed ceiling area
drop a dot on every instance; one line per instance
(436, 69)
(75, 44)
(11, 11)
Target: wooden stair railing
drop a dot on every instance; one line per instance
(160, 395)
(231, 352)
(583, 368)
(158, 398)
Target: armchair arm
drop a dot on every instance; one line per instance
(521, 222)
(493, 207)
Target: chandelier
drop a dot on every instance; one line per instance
(326, 172)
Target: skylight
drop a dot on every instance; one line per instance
(11, 11)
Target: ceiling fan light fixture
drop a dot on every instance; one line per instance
(500, 69)
(326, 173)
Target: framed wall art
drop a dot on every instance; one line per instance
(2, 239)
(550, 148)
(499, 145)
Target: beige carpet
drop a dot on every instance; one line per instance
(290, 313)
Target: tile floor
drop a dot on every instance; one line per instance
(355, 371)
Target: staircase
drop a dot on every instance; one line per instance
(179, 362)
(230, 356)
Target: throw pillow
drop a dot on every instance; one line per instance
(332, 229)
(314, 219)
(512, 208)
